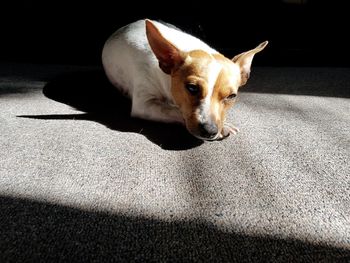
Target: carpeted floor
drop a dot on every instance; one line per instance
(82, 181)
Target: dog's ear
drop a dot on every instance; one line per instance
(167, 54)
(244, 60)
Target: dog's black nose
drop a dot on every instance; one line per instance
(208, 129)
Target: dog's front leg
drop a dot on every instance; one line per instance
(156, 110)
(227, 130)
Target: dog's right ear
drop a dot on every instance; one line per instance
(168, 55)
(244, 60)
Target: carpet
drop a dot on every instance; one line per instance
(81, 180)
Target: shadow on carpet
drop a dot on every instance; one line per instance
(305, 81)
(42, 232)
(90, 92)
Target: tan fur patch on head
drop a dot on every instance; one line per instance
(231, 71)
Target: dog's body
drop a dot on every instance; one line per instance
(172, 76)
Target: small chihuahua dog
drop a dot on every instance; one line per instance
(172, 76)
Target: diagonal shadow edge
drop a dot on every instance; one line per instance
(33, 230)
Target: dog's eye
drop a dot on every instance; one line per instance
(231, 97)
(192, 88)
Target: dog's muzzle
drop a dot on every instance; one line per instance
(207, 130)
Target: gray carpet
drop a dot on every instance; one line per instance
(82, 181)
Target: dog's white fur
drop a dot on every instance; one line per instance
(131, 65)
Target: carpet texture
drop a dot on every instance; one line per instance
(81, 180)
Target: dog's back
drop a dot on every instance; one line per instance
(129, 62)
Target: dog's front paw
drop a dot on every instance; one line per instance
(227, 130)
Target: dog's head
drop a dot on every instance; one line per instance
(204, 86)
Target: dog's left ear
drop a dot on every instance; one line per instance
(244, 60)
(167, 54)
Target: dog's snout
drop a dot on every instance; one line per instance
(208, 129)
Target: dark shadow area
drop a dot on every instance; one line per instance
(301, 32)
(15, 88)
(318, 81)
(90, 92)
(32, 231)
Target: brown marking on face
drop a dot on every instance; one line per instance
(226, 84)
(219, 106)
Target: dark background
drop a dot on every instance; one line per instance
(301, 32)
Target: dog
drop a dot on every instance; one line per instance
(172, 76)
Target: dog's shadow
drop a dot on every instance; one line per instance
(91, 92)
